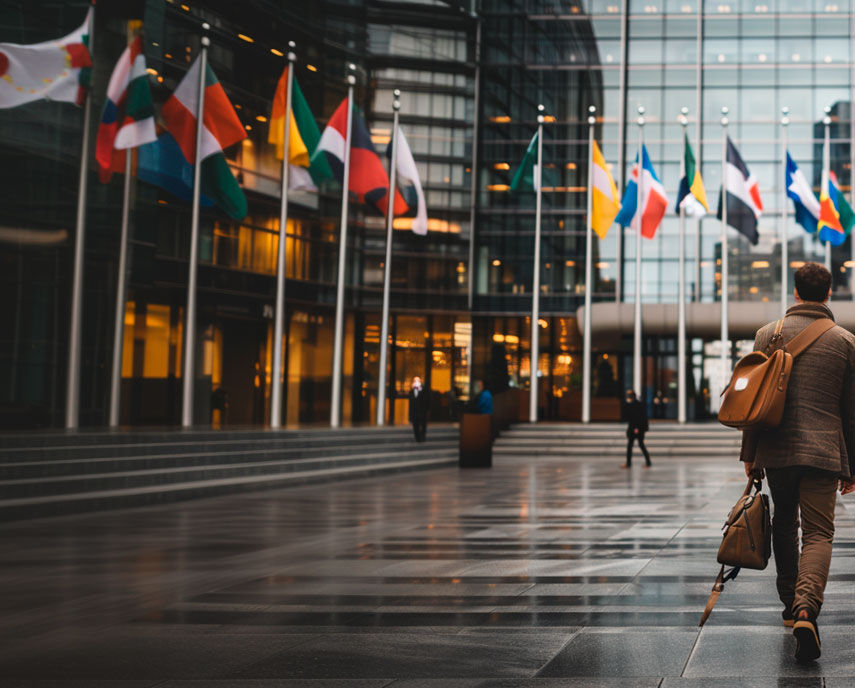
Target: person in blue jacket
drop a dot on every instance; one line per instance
(483, 398)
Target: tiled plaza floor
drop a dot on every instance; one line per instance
(534, 573)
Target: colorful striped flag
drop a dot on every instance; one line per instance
(367, 178)
(692, 196)
(305, 172)
(835, 234)
(128, 90)
(221, 128)
(605, 203)
(804, 200)
(653, 204)
(744, 205)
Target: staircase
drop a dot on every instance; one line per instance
(574, 440)
(55, 473)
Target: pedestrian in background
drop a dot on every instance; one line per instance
(418, 409)
(483, 398)
(809, 456)
(636, 416)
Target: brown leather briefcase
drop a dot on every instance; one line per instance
(747, 540)
(757, 392)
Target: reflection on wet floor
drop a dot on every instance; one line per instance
(537, 572)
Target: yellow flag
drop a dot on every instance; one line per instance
(298, 154)
(605, 202)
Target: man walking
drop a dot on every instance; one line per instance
(636, 416)
(418, 409)
(808, 456)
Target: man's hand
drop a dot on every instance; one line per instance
(846, 486)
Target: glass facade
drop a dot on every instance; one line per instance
(471, 75)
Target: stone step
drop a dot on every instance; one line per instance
(164, 476)
(171, 445)
(125, 497)
(67, 438)
(43, 468)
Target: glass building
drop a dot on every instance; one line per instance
(471, 75)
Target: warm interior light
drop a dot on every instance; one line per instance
(276, 52)
(500, 119)
(246, 38)
(570, 263)
(796, 264)
(311, 68)
(248, 127)
(570, 166)
(496, 263)
(498, 187)
(759, 264)
(501, 166)
(261, 118)
(152, 71)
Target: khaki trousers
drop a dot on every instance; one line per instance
(811, 494)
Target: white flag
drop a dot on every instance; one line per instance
(408, 176)
(49, 70)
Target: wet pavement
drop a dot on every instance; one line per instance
(538, 572)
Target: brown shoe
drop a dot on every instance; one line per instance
(806, 633)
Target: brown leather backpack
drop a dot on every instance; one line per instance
(757, 392)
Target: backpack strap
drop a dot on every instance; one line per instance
(776, 337)
(808, 336)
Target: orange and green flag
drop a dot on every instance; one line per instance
(304, 136)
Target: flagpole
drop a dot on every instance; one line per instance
(279, 317)
(725, 339)
(639, 211)
(535, 295)
(121, 286)
(188, 369)
(72, 387)
(335, 397)
(589, 273)
(785, 121)
(826, 164)
(387, 265)
(681, 304)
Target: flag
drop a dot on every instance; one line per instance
(128, 90)
(844, 210)
(163, 164)
(653, 204)
(744, 205)
(409, 184)
(305, 172)
(526, 177)
(221, 128)
(54, 70)
(836, 216)
(368, 178)
(804, 200)
(604, 195)
(692, 195)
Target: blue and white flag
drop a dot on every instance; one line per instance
(804, 200)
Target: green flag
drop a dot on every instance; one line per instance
(847, 215)
(524, 177)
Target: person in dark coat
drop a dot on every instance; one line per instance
(636, 416)
(418, 409)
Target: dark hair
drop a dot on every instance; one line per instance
(631, 394)
(813, 282)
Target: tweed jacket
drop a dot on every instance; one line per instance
(818, 426)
